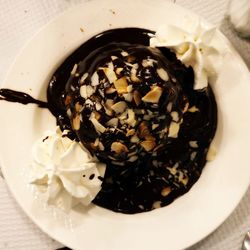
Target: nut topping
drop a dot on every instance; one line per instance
(165, 191)
(78, 107)
(109, 72)
(118, 147)
(175, 116)
(130, 132)
(163, 74)
(98, 126)
(148, 145)
(113, 122)
(86, 91)
(143, 130)
(193, 109)
(137, 97)
(76, 122)
(119, 107)
(131, 118)
(173, 130)
(110, 90)
(153, 96)
(95, 79)
(121, 85)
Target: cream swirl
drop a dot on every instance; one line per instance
(65, 171)
(193, 46)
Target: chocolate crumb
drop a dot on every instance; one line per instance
(92, 176)
(100, 178)
(45, 138)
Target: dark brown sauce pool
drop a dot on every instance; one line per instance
(140, 187)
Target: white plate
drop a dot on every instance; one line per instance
(179, 225)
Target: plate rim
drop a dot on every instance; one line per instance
(4, 168)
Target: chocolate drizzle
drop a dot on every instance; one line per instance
(20, 97)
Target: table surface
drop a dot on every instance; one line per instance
(19, 20)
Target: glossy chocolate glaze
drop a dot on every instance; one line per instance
(145, 185)
(137, 187)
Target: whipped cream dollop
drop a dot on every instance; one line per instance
(193, 46)
(65, 171)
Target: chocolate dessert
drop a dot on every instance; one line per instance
(135, 109)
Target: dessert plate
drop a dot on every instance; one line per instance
(192, 216)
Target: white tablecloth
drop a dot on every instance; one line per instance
(19, 20)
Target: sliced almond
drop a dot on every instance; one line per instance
(73, 71)
(97, 115)
(98, 126)
(121, 85)
(78, 107)
(148, 63)
(128, 97)
(175, 116)
(174, 130)
(130, 88)
(98, 106)
(165, 191)
(143, 130)
(95, 79)
(86, 91)
(110, 90)
(153, 95)
(137, 97)
(131, 118)
(182, 178)
(185, 109)
(118, 147)
(134, 139)
(193, 144)
(84, 77)
(156, 204)
(169, 107)
(163, 74)
(148, 145)
(124, 53)
(130, 132)
(113, 58)
(108, 111)
(158, 147)
(133, 75)
(149, 138)
(118, 71)
(93, 146)
(124, 115)
(101, 147)
(109, 103)
(96, 143)
(76, 122)
(154, 126)
(113, 122)
(133, 158)
(119, 107)
(193, 109)
(109, 72)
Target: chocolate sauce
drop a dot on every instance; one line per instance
(155, 180)
(20, 97)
